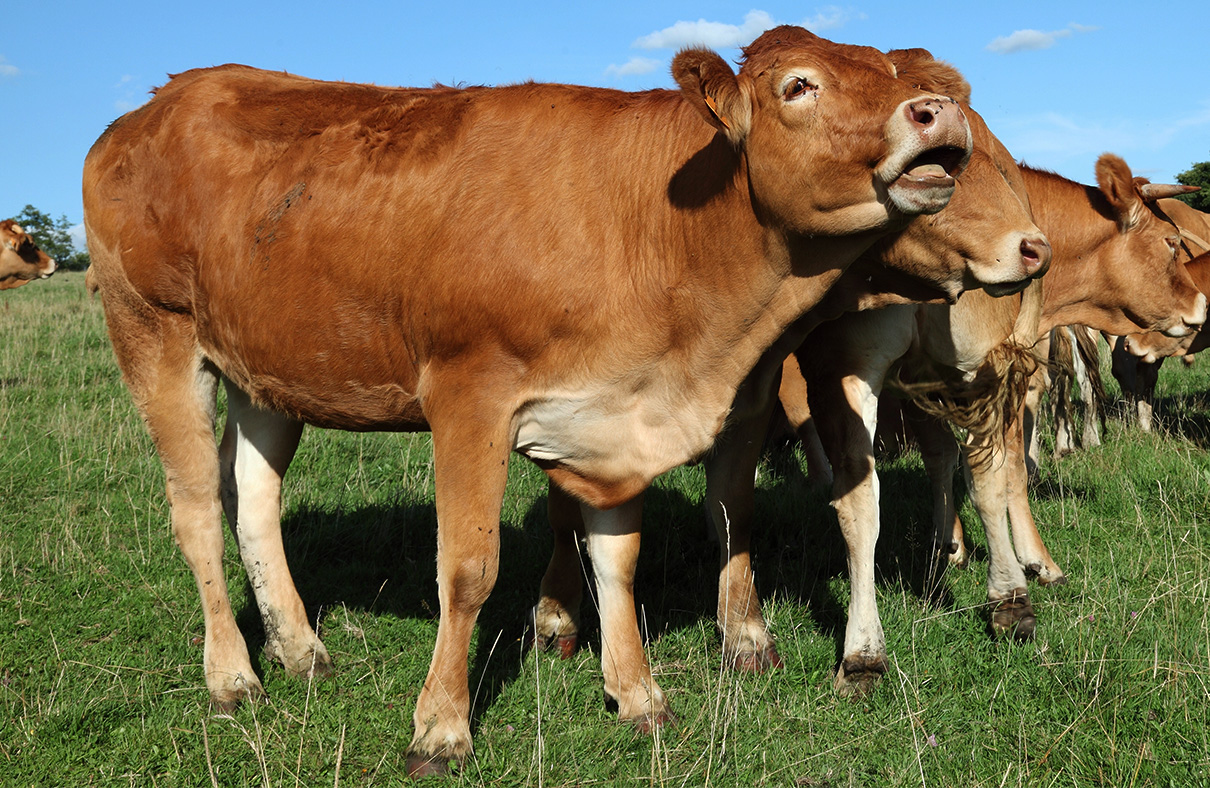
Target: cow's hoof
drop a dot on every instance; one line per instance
(1045, 575)
(1013, 616)
(564, 645)
(757, 661)
(564, 642)
(648, 723)
(314, 663)
(859, 675)
(227, 701)
(420, 765)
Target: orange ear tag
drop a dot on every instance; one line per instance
(714, 108)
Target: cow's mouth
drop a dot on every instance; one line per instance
(933, 168)
(927, 182)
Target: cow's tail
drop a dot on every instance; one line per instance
(1090, 353)
(1074, 351)
(90, 281)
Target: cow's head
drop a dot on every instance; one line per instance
(1152, 346)
(1145, 275)
(834, 143)
(20, 259)
(986, 238)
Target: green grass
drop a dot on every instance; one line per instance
(100, 624)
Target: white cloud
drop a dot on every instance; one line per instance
(8, 69)
(1031, 40)
(636, 65)
(717, 35)
(721, 35)
(130, 96)
(829, 18)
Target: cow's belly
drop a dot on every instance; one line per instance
(610, 447)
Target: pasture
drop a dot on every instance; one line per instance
(100, 624)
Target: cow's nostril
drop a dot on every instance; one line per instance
(921, 114)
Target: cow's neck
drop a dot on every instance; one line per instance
(775, 284)
(1078, 224)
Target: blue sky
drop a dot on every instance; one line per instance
(1059, 82)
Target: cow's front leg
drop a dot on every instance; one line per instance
(1012, 613)
(847, 427)
(613, 545)
(255, 452)
(730, 479)
(557, 614)
(1032, 552)
(470, 462)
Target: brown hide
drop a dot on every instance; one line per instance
(583, 275)
(1152, 345)
(1194, 226)
(21, 260)
(1110, 250)
(1125, 275)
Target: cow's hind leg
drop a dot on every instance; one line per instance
(255, 451)
(174, 387)
(613, 545)
(940, 454)
(557, 614)
(730, 471)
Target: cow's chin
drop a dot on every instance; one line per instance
(914, 194)
(1001, 289)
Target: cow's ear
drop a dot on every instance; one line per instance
(1117, 184)
(709, 84)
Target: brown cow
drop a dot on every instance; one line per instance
(21, 260)
(984, 227)
(1137, 358)
(581, 275)
(1099, 236)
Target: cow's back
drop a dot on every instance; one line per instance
(407, 223)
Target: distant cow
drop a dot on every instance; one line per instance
(580, 275)
(21, 260)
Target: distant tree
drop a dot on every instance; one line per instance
(1197, 175)
(53, 237)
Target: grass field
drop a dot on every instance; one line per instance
(100, 624)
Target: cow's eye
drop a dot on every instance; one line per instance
(796, 87)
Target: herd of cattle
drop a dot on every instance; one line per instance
(611, 284)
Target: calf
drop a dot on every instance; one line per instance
(580, 275)
(1138, 357)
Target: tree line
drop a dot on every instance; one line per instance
(1197, 175)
